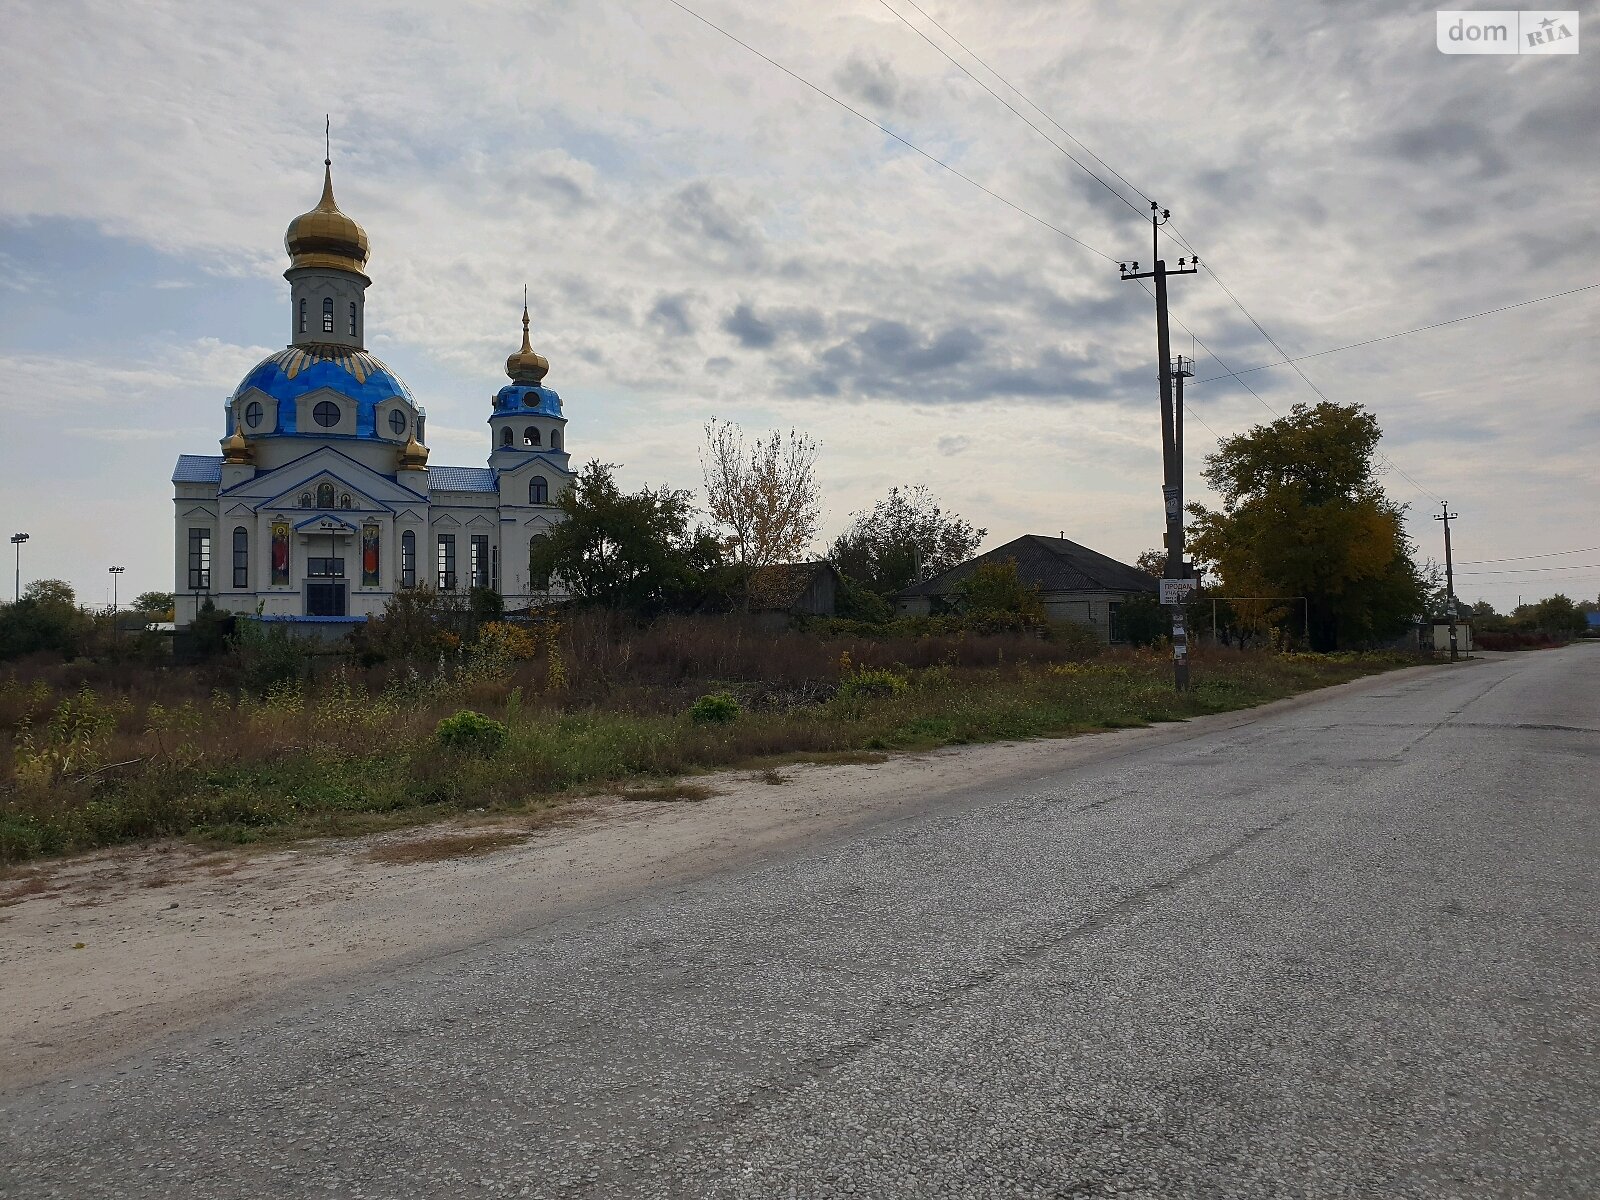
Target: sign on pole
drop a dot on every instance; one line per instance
(1176, 591)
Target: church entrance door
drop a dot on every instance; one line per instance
(325, 600)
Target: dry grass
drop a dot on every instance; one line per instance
(669, 793)
(448, 846)
(36, 884)
(771, 775)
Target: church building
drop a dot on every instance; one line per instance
(322, 503)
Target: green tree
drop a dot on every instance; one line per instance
(996, 587)
(51, 592)
(155, 605)
(903, 539)
(1303, 515)
(1141, 621)
(1558, 615)
(636, 551)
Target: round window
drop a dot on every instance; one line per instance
(253, 414)
(397, 421)
(326, 414)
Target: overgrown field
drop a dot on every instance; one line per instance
(97, 755)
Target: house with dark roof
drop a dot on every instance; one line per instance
(1075, 583)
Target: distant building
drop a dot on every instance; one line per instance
(322, 504)
(1075, 583)
(806, 589)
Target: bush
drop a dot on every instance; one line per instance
(269, 655)
(872, 681)
(472, 733)
(716, 709)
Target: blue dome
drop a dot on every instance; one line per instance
(525, 398)
(297, 370)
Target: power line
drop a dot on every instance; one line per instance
(884, 129)
(1533, 570)
(1020, 115)
(1389, 337)
(1478, 562)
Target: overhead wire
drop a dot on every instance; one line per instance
(1474, 562)
(884, 129)
(1389, 337)
(1533, 570)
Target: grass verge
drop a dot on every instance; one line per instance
(92, 770)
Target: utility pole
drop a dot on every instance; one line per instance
(1171, 439)
(16, 540)
(1447, 516)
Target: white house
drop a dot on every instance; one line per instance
(322, 503)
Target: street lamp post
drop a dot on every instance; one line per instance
(16, 540)
(115, 571)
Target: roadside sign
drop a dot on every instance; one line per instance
(1176, 591)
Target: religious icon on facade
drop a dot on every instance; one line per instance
(369, 556)
(280, 554)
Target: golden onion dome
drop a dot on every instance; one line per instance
(235, 450)
(526, 366)
(415, 455)
(325, 237)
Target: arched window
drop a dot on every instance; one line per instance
(305, 499)
(241, 557)
(327, 314)
(326, 414)
(324, 495)
(254, 413)
(397, 421)
(344, 500)
(302, 315)
(352, 318)
(538, 578)
(530, 436)
(408, 559)
(538, 490)
(505, 436)
(555, 439)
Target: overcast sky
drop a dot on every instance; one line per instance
(705, 236)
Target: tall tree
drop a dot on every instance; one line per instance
(1303, 515)
(764, 495)
(627, 551)
(905, 538)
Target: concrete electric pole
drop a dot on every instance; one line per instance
(1449, 577)
(1171, 445)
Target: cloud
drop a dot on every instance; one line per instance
(874, 82)
(671, 313)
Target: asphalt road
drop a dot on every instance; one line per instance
(1348, 950)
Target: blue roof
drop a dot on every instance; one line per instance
(518, 398)
(297, 370)
(460, 479)
(198, 468)
(285, 619)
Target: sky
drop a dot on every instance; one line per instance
(703, 235)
